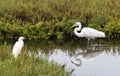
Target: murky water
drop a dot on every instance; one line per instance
(79, 59)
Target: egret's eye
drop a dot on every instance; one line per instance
(78, 31)
(77, 26)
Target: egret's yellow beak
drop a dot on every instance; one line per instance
(72, 26)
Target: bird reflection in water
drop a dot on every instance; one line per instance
(71, 63)
(87, 55)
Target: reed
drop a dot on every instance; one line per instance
(26, 66)
(51, 19)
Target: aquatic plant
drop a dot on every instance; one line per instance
(26, 66)
(51, 19)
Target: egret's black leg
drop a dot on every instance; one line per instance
(98, 42)
(89, 43)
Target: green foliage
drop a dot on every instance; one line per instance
(112, 28)
(4, 53)
(30, 67)
(51, 19)
(26, 66)
(10, 30)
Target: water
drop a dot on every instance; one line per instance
(93, 63)
(79, 59)
(102, 65)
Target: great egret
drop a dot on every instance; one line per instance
(87, 32)
(18, 47)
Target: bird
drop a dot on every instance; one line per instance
(87, 32)
(18, 47)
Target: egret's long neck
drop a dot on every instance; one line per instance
(76, 31)
(20, 40)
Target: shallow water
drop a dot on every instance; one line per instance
(78, 58)
(93, 63)
(105, 64)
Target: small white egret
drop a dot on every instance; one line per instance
(87, 32)
(18, 47)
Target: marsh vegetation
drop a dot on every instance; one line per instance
(25, 65)
(51, 19)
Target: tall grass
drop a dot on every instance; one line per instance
(26, 66)
(55, 16)
(36, 10)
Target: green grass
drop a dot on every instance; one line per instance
(51, 19)
(26, 66)
(46, 10)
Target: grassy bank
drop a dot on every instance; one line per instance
(51, 19)
(26, 66)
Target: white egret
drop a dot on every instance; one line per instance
(18, 47)
(87, 32)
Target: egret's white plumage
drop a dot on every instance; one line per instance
(87, 32)
(18, 47)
